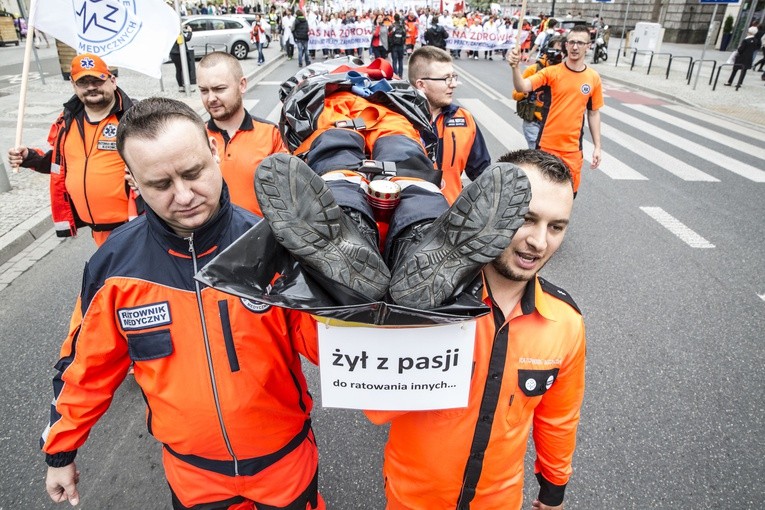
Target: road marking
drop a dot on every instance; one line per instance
(269, 83)
(611, 165)
(494, 124)
(717, 120)
(761, 296)
(715, 136)
(718, 159)
(275, 114)
(661, 159)
(249, 104)
(675, 226)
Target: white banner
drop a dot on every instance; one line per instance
(136, 34)
(396, 368)
(341, 37)
(483, 38)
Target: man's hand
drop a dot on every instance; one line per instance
(595, 163)
(538, 505)
(16, 156)
(514, 57)
(61, 484)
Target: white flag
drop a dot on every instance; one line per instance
(136, 34)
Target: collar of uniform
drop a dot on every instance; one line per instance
(205, 237)
(533, 298)
(448, 111)
(246, 125)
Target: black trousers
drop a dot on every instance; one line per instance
(176, 59)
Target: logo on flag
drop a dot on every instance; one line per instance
(134, 34)
(107, 23)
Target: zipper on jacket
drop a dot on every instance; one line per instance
(198, 292)
(454, 147)
(81, 128)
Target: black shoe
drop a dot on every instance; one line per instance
(306, 220)
(475, 230)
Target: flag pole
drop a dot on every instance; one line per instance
(520, 25)
(25, 75)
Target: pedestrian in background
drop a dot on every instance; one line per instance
(300, 31)
(532, 106)
(87, 174)
(744, 57)
(288, 39)
(175, 57)
(396, 40)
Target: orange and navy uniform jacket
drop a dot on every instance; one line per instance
(221, 375)
(528, 369)
(241, 154)
(460, 148)
(87, 175)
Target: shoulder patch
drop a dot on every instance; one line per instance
(254, 306)
(558, 293)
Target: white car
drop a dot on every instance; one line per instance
(219, 33)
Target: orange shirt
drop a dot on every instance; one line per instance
(241, 154)
(528, 368)
(95, 177)
(571, 93)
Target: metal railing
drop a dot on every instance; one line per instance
(673, 58)
(693, 67)
(719, 69)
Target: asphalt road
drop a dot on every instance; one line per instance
(674, 410)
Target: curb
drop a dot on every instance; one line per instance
(22, 235)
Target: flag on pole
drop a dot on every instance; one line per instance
(135, 34)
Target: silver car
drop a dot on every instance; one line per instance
(219, 33)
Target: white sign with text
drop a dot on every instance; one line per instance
(396, 368)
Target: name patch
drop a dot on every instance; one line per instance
(456, 122)
(144, 317)
(106, 145)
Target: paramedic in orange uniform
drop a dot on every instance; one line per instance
(242, 140)
(528, 373)
(87, 185)
(221, 376)
(460, 146)
(574, 90)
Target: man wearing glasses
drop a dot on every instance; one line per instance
(574, 90)
(460, 145)
(88, 185)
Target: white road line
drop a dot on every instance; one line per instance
(728, 125)
(610, 165)
(494, 124)
(269, 83)
(734, 143)
(249, 104)
(663, 160)
(275, 114)
(715, 158)
(761, 296)
(492, 93)
(674, 225)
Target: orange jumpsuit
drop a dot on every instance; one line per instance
(528, 370)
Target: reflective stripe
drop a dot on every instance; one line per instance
(55, 168)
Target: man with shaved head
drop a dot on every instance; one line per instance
(241, 139)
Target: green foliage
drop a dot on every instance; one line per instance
(728, 25)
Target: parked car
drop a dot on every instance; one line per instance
(219, 33)
(566, 24)
(250, 18)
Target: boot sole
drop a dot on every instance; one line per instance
(477, 229)
(306, 220)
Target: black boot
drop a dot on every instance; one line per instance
(306, 220)
(431, 263)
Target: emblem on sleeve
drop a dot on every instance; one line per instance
(144, 317)
(530, 384)
(254, 306)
